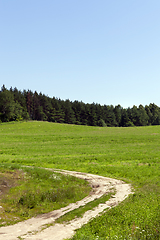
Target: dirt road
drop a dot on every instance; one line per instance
(34, 228)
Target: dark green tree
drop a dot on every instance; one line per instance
(155, 110)
(118, 114)
(125, 120)
(9, 109)
(142, 116)
(109, 118)
(149, 114)
(69, 116)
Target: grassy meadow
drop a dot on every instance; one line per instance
(131, 154)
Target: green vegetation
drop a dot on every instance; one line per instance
(16, 106)
(77, 213)
(130, 154)
(32, 191)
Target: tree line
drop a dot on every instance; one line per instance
(16, 105)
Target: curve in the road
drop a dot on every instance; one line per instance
(32, 228)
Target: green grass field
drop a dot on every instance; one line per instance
(130, 154)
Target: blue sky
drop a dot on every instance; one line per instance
(104, 51)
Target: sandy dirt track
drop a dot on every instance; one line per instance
(33, 228)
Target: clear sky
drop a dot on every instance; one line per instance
(105, 51)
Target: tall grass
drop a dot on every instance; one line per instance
(130, 154)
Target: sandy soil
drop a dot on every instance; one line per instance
(36, 229)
